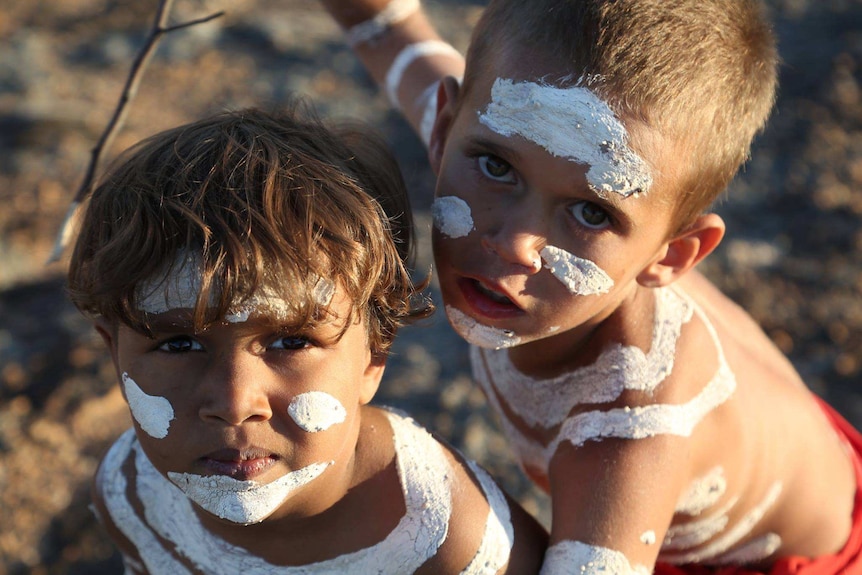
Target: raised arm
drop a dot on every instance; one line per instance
(402, 51)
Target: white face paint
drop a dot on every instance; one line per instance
(243, 502)
(571, 123)
(452, 216)
(316, 411)
(154, 414)
(480, 335)
(172, 287)
(577, 557)
(580, 276)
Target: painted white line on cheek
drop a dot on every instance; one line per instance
(547, 115)
(452, 216)
(243, 502)
(480, 335)
(154, 414)
(580, 276)
(576, 557)
(316, 411)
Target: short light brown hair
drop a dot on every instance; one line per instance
(701, 72)
(272, 201)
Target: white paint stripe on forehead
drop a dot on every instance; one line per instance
(571, 123)
(580, 276)
(406, 57)
(577, 557)
(153, 413)
(499, 535)
(480, 335)
(394, 12)
(452, 216)
(173, 287)
(731, 536)
(315, 411)
(243, 502)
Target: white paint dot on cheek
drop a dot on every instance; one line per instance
(154, 414)
(480, 335)
(452, 216)
(316, 411)
(580, 276)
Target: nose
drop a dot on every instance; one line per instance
(235, 390)
(517, 240)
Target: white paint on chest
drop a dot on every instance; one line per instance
(315, 411)
(568, 557)
(483, 336)
(153, 413)
(452, 216)
(243, 502)
(572, 123)
(580, 276)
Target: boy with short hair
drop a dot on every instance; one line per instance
(575, 166)
(248, 274)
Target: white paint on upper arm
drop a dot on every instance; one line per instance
(452, 216)
(315, 411)
(730, 537)
(405, 58)
(572, 123)
(480, 335)
(244, 502)
(580, 276)
(499, 536)
(427, 102)
(153, 413)
(703, 493)
(394, 12)
(568, 557)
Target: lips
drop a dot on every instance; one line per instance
(242, 465)
(487, 300)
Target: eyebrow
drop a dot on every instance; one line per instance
(493, 147)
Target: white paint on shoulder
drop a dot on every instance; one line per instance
(408, 55)
(394, 12)
(480, 335)
(572, 123)
(580, 276)
(568, 557)
(499, 537)
(153, 413)
(244, 502)
(703, 493)
(315, 411)
(452, 216)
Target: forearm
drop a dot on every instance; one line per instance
(402, 52)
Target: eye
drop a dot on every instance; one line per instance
(591, 215)
(180, 344)
(290, 342)
(496, 169)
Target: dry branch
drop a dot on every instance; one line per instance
(159, 29)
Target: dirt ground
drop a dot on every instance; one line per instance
(793, 256)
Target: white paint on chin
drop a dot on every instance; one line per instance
(243, 502)
(580, 276)
(483, 336)
(578, 557)
(452, 216)
(572, 123)
(315, 411)
(153, 413)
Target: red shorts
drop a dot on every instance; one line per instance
(848, 561)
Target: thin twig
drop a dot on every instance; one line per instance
(159, 29)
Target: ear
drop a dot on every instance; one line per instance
(447, 101)
(684, 251)
(108, 331)
(371, 378)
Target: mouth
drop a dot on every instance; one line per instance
(487, 300)
(242, 465)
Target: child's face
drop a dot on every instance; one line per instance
(544, 216)
(249, 420)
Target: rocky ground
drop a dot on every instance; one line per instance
(793, 257)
